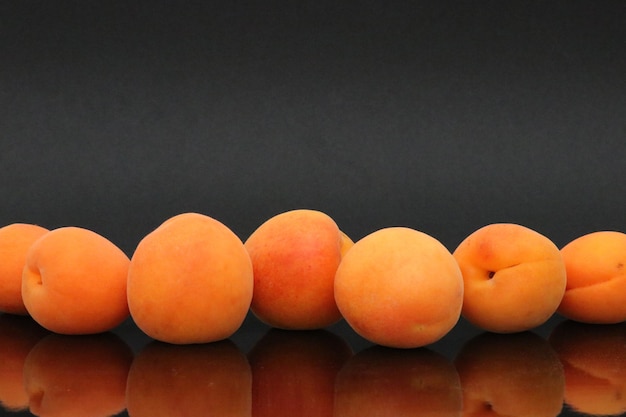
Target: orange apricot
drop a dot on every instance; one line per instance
(15, 240)
(190, 281)
(211, 379)
(514, 277)
(596, 278)
(594, 361)
(399, 287)
(18, 335)
(79, 375)
(380, 381)
(295, 255)
(293, 373)
(516, 374)
(74, 282)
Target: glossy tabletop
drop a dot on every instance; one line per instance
(562, 368)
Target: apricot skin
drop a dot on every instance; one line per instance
(74, 282)
(15, 240)
(399, 287)
(514, 277)
(596, 278)
(190, 281)
(295, 255)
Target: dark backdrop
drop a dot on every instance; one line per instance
(442, 116)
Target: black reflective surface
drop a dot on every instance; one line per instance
(562, 368)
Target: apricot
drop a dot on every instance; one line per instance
(379, 381)
(293, 373)
(211, 379)
(15, 240)
(399, 287)
(594, 362)
(514, 277)
(74, 282)
(18, 335)
(190, 281)
(596, 278)
(295, 255)
(79, 375)
(515, 374)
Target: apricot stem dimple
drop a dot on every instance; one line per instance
(491, 274)
(38, 276)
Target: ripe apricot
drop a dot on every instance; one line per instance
(18, 335)
(379, 381)
(190, 281)
(399, 287)
(211, 379)
(74, 282)
(79, 375)
(295, 255)
(293, 373)
(15, 240)
(514, 277)
(594, 362)
(596, 278)
(515, 374)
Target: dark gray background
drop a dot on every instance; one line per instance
(442, 116)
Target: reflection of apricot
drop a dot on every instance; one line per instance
(294, 372)
(189, 380)
(510, 375)
(18, 335)
(596, 278)
(77, 375)
(15, 240)
(594, 361)
(396, 382)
